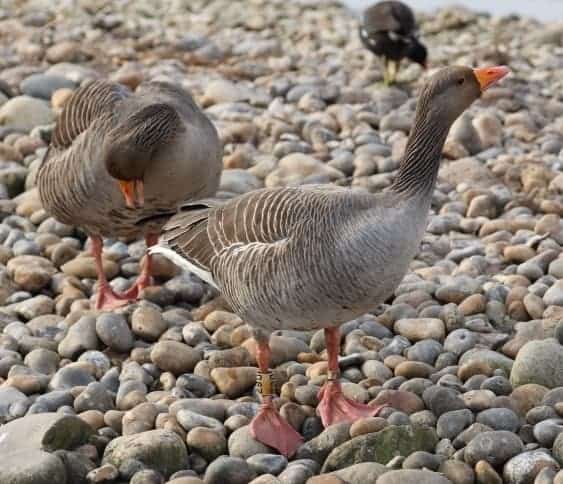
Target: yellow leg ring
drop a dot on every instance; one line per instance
(264, 384)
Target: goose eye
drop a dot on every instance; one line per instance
(461, 80)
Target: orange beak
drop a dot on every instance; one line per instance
(487, 76)
(133, 192)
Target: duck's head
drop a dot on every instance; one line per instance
(451, 90)
(417, 52)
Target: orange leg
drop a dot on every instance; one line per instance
(106, 298)
(268, 426)
(334, 407)
(144, 278)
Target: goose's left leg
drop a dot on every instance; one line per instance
(106, 299)
(268, 426)
(144, 278)
(334, 407)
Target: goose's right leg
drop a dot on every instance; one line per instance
(106, 298)
(334, 406)
(268, 426)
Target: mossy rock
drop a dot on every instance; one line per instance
(160, 450)
(382, 446)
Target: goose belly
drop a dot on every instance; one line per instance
(303, 300)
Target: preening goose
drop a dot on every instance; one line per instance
(318, 256)
(388, 29)
(120, 162)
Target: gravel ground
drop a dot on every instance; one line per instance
(468, 353)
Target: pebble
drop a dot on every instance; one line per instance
(412, 476)
(485, 473)
(441, 400)
(539, 362)
(114, 332)
(148, 323)
(267, 463)
(451, 424)
(526, 466)
(457, 471)
(80, 337)
(43, 86)
(499, 419)
(420, 329)
(25, 113)
(229, 469)
(33, 466)
(209, 443)
(494, 447)
(175, 357)
(234, 381)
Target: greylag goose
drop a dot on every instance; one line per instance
(315, 257)
(388, 30)
(120, 162)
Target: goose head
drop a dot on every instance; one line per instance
(133, 145)
(450, 91)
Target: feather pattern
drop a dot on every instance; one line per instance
(74, 184)
(93, 100)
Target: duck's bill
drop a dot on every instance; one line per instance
(487, 76)
(133, 192)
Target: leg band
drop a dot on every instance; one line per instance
(264, 384)
(332, 375)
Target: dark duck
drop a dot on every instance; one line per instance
(388, 29)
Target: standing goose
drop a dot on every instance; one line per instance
(315, 257)
(120, 162)
(388, 30)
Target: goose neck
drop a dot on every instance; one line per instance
(418, 170)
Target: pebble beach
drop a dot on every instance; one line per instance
(468, 353)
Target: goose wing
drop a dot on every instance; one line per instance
(256, 221)
(87, 104)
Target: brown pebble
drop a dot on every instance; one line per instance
(414, 369)
(317, 369)
(367, 425)
(113, 419)
(94, 418)
(486, 474)
(474, 304)
(528, 396)
(474, 367)
(309, 358)
(392, 361)
(518, 253)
